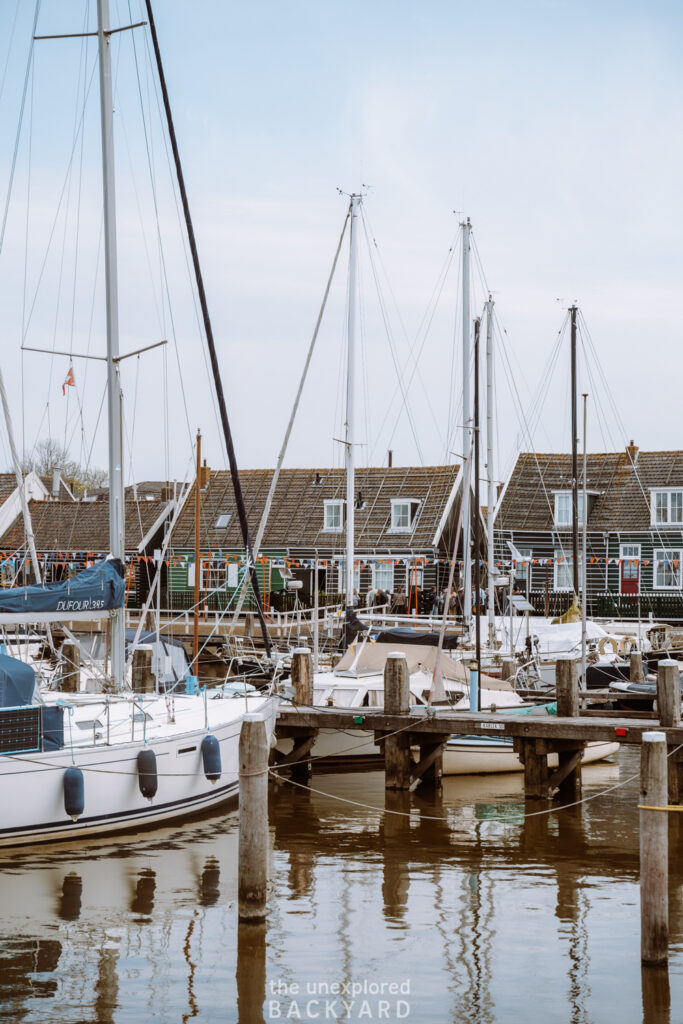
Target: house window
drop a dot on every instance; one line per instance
(563, 578)
(414, 576)
(342, 577)
(667, 571)
(223, 521)
(383, 576)
(629, 555)
(334, 516)
(667, 508)
(218, 577)
(523, 569)
(563, 508)
(403, 514)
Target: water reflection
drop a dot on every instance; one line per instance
(69, 908)
(656, 995)
(209, 885)
(394, 837)
(142, 902)
(251, 973)
(107, 983)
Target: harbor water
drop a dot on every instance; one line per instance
(430, 908)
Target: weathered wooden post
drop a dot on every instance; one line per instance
(71, 655)
(654, 851)
(568, 776)
(508, 669)
(253, 819)
(668, 693)
(302, 675)
(635, 668)
(143, 677)
(397, 702)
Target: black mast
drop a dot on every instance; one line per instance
(239, 500)
(476, 519)
(575, 469)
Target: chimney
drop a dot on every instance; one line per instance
(56, 480)
(391, 458)
(205, 475)
(632, 452)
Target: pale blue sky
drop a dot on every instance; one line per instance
(555, 126)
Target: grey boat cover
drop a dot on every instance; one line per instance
(94, 591)
(17, 683)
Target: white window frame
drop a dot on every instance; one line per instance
(668, 492)
(677, 554)
(560, 567)
(624, 557)
(414, 576)
(341, 579)
(566, 524)
(220, 524)
(388, 569)
(413, 509)
(190, 575)
(329, 503)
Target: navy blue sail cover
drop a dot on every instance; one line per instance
(17, 682)
(97, 589)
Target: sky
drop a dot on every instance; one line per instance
(554, 126)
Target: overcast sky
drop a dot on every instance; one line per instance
(555, 126)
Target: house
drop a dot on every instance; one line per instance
(634, 528)
(71, 534)
(404, 529)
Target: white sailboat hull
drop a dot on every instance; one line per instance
(32, 784)
(481, 756)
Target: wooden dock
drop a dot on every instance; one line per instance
(399, 730)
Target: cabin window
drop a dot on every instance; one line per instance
(667, 569)
(564, 574)
(403, 514)
(334, 516)
(667, 508)
(563, 508)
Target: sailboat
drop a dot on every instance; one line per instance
(80, 764)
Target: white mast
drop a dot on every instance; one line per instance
(116, 508)
(349, 425)
(584, 534)
(28, 525)
(466, 416)
(491, 497)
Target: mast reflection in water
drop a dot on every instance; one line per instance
(469, 917)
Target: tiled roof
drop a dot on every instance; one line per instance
(80, 525)
(623, 490)
(8, 484)
(296, 518)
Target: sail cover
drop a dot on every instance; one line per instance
(91, 594)
(17, 683)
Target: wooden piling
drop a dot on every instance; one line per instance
(654, 851)
(397, 756)
(668, 693)
(509, 668)
(71, 671)
(568, 776)
(302, 676)
(635, 668)
(143, 677)
(253, 819)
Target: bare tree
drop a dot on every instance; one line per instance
(50, 457)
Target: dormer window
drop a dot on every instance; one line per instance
(223, 521)
(563, 509)
(403, 514)
(666, 508)
(334, 516)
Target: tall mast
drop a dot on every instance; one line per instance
(466, 416)
(349, 425)
(197, 554)
(575, 470)
(477, 512)
(584, 546)
(116, 507)
(491, 496)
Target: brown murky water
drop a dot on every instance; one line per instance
(372, 916)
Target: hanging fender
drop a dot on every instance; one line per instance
(613, 643)
(148, 778)
(211, 757)
(74, 792)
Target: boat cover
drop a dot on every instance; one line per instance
(406, 635)
(17, 683)
(92, 593)
(370, 658)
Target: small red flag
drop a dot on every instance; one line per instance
(69, 382)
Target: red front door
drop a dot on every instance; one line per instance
(630, 569)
